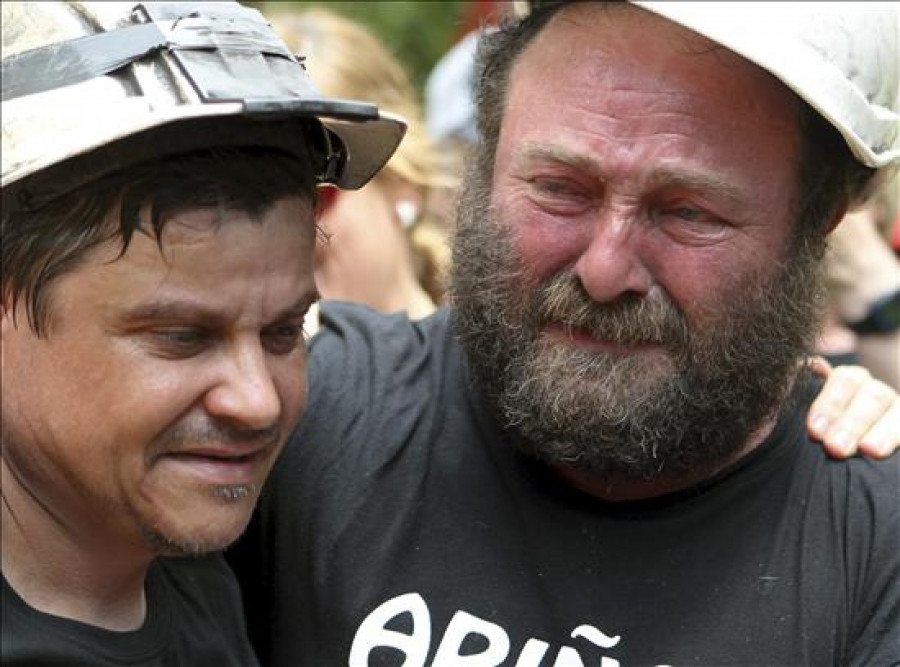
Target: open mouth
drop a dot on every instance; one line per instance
(220, 458)
(584, 338)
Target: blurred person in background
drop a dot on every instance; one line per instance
(449, 95)
(450, 88)
(381, 249)
(862, 324)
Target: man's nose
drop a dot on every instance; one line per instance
(611, 264)
(245, 393)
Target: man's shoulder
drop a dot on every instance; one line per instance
(792, 475)
(869, 485)
(854, 501)
(202, 596)
(861, 473)
(377, 384)
(363, 353)
(809, 457)
(188, 599)
(853, 522)
(343, 319)
(866, 469)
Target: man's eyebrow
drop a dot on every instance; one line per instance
(701, 182)
(300, 307)
(661, 177)
(531, 151)
(175, 310)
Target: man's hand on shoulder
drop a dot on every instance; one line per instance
(854, 413)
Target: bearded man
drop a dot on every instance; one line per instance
(598, 454)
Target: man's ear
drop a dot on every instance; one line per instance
(326, 196)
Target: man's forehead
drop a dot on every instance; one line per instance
(624, 46)
(204, 268)
(212, 236)
(608, 20)
(191, 225)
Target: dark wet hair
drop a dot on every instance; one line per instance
(41, 245)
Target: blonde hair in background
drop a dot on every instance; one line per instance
(346, 60)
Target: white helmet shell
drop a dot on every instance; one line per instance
(91, 87)
(843, 58)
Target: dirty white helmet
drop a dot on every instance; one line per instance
(93, 87)
(843, 58)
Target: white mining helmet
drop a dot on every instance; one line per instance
(92, 87)
(842, 58)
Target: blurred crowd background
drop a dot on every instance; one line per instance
(419, 32)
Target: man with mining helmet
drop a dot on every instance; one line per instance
(160, 167)
(598, 455)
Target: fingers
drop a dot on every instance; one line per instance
(819, 366)
(856, 412)
(883, 439)
(840, 387)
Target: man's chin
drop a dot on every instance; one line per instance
(211, 531)
(177, 545)
(604, 375)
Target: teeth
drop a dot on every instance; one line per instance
(235, 492)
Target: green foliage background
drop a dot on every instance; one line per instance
(417, 31)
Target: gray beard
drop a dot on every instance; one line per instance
(633, 418)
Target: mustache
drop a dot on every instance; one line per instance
(189, 434)
(631, 319)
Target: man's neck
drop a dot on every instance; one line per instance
(640, 489)
(65, 570)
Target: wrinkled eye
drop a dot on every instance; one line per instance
(282, 339)
(691, 225)
(556, 186)
(179, 342)
(690, 214)
(561, 196)
(552, 187)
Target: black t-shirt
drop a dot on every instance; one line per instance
(194, 619)
(400, 525)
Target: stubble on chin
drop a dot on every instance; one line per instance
(175, 542)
